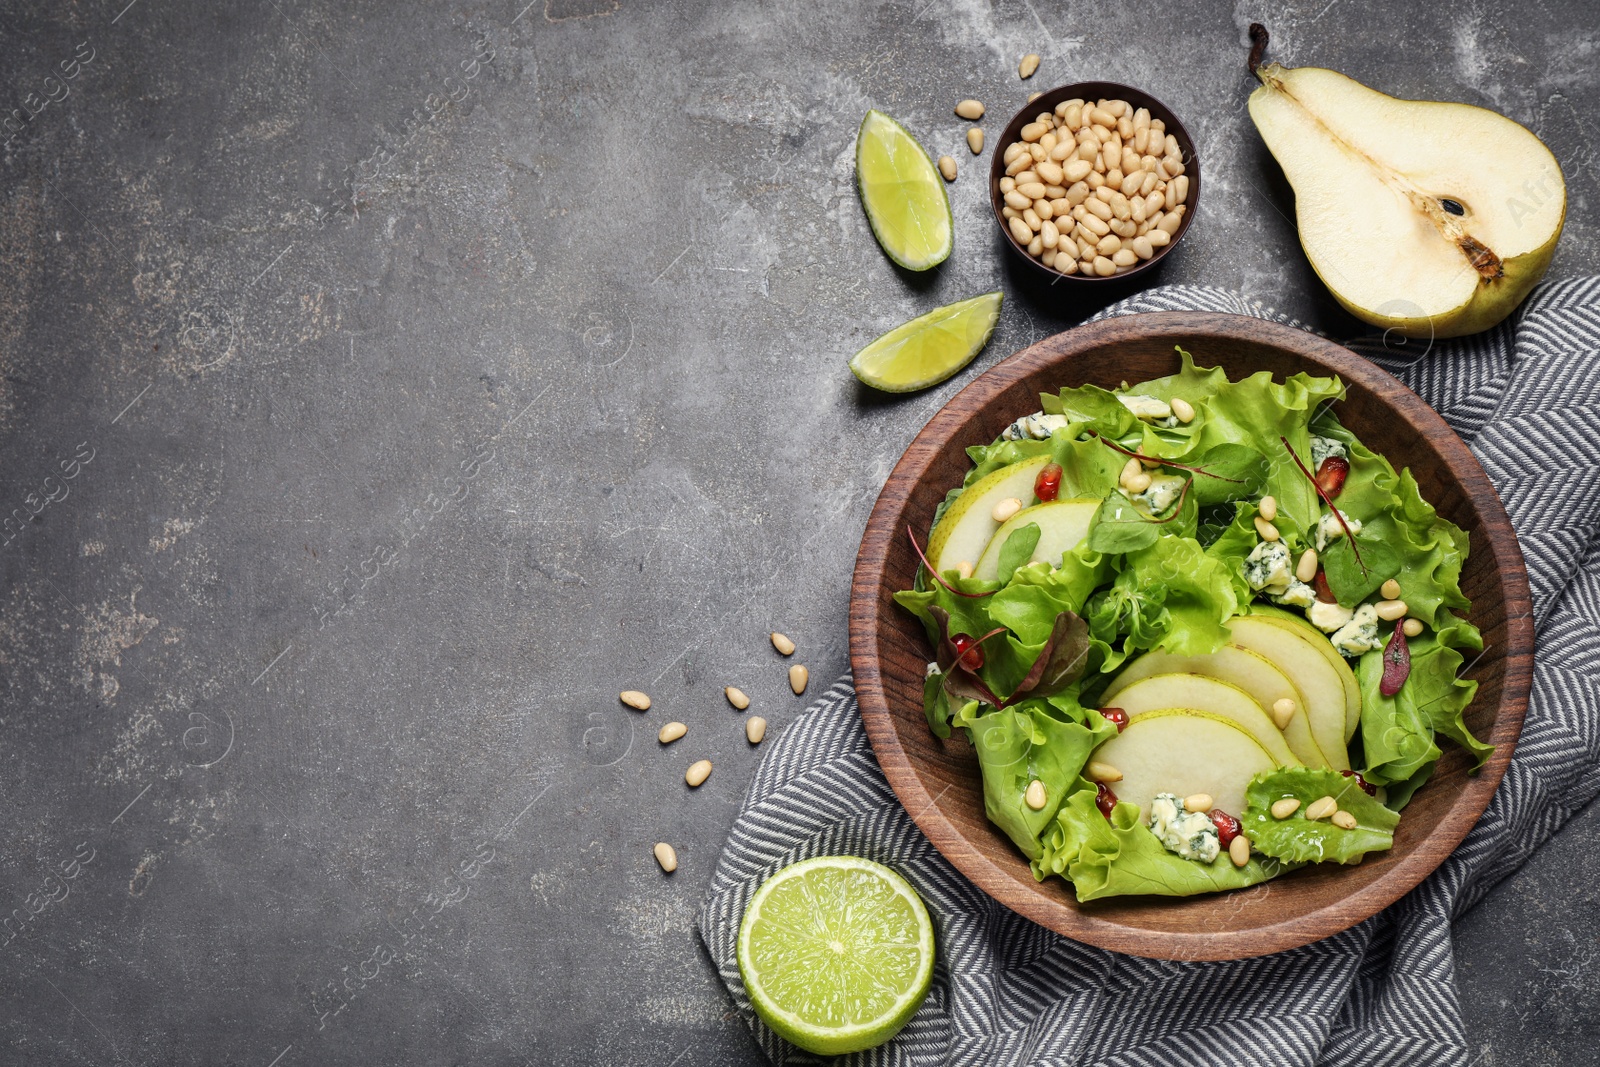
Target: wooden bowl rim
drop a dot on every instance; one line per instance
(866, 618)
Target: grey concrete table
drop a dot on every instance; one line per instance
(387, 385)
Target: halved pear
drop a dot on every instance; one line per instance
(1063, 524)
(1182, 751)
(1319, 685)
(1213, 697)
(1254, 674)
(1319, 641)
(1432, 219)
(968, 525)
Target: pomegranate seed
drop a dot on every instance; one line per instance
(1048, 484)
(1116, 716)
(1324, 593)
(1227, 826)
(1105, 799)
(1331, 475)
(1366, 787)
(969, 653)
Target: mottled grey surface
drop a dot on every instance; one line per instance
(425, 374)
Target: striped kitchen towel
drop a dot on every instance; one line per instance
(1007, 991)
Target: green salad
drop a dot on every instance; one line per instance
(1197, 633)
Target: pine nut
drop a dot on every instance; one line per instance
(1123, 228)
(1075, 170)
(1390, 590)
(947, 168)
(1032, 131)
(1021, 163)
(1019, 229)
(1181, 184)
(1198, 802)
(971, 110)
(1103, 772)
(798, 676)
(1036, 247)
(1035, 796)
(671, 732)
(1130, 470)
(1344, 820)
(1141, 481)
(1285, 808)
(1321, 808)
(667, 856)
(964, 568)
(1268, 508)
(1239, 850)
(697, 773)
(782, 643)
(1170, 223)
(1007, 184)
(1109, 245)
(1013, 150)
(1267, 531)
(1141, 119)
(1412, 627)
(1052, 173)
(1105, 269)
(975, 140)
(1032, 190)
(1048, 256)
(1101, 117)
(1037, 152)
(1029, 64)
(1180, 407)
(1050, 236)
(1066, 264)
(1016, 201)
(1031, 217)
(1077, 192)
(1390, 610)
(1159, 238)
(1131, 183)
(1124, 257)
(635, 699)
(1006, 508)
(736, 697)
(755, 728)
(1283, 710)
(1306, 569)
(1099, 208)
(1094, 224)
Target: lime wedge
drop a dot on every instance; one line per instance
(836, 953)
(929, 348)
(902, 193)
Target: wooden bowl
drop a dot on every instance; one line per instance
(1094, 91)
(938, 781)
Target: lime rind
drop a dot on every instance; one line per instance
(930, 348)
(836, 953)
(903, 195)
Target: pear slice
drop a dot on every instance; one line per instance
(1063, 524)
(1432, 219)
(1319, 685)
(1319, 641)
(1254, 674)
(1213, 697)
(967, 526)
(1182, 751)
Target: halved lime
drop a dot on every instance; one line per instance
(929, 348)
(836, 953)
(903, 194)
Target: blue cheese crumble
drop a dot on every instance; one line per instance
(1329, 617)
(1360, 634)
(1035, 427)
(1189, 834)
(1329, 530)
(1298, 595)
(1146, 407)
(1267, 567)
(1164, 489)
(1323, 447)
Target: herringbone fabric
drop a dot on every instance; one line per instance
(1007, 992)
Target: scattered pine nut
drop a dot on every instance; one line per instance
(1390, 610)
(1286, 807)
(964, 568)
(1198, 802)
(1390, 590)
(1412, 627)
(1306, 569)
(1180, 407)
(947, 167)
(1130, 470)
(1344, 820)
(755, 728)
(667, 856)
(971, 110)
(1268, 508)
(697, 773)
(671, 732)
(1239, 850)
(1029, 64)
(798, 677)
(1006, 508)
(1103, 772)
(736, 697)
(1283, 711)
(1035, 796)
(1141, 481)
(782, 643)
(1321, 808)
(1267, 531)
(635, 699)
(975, 139)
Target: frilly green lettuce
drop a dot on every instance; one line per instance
(1298, 839)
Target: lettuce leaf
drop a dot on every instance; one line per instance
(1170, 595)
(1298, 839)
(1398, 732)
(1028, 606)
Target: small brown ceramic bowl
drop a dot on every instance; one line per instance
(938, 782)
(1094, 91)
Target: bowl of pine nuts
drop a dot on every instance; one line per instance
(1064, 158)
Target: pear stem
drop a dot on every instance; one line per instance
(1258, 47)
